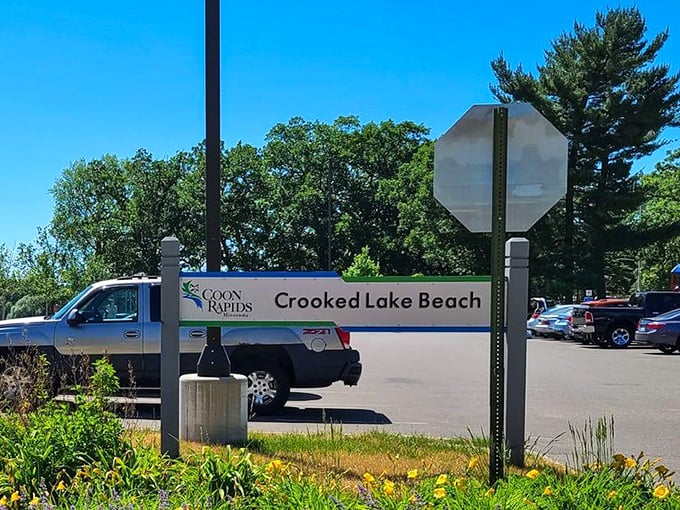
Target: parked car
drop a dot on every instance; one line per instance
(553, 322)
(615, 325)
(661, 331)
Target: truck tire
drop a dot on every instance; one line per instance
(619, 335)
(268, 386)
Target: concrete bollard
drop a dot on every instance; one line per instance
(213, 410)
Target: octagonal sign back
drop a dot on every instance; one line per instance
(536, 170)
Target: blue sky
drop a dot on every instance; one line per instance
(81, 79)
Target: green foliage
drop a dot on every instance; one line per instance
(601, 87)
(27, 306)
(363, 265)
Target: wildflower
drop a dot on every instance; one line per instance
(34, 502)
(547, 491)
(459, 483)
(611, 494)
(388, 487)
(368, 478)
(3, 501)
(61, 486)
(661, 492)
(630, 463)
(533, 474)
(490, 492)
(472, 464)
(439, 492)
(412, 474)
(274, 466)
(441, 480)
(15, 497)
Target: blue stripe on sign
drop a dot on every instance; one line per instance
(261, 274)
(417, 329)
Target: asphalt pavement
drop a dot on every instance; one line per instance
(438, 385)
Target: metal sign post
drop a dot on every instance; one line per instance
(497, 371)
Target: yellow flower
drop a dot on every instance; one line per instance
(439, 492)
(274, 466)
(473, 463)
(630, 463)
(3, 501)
(611, 494)
(34, 502)
(15, 497)
(460, 483)
(388, 487)
(441, 479)
(547, 491)
(490, 492)
(368, 478)
(61, 486)
(533, 474)
(661, 492)
(412, 474)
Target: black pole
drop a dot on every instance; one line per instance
(214, 361)
(497, 368)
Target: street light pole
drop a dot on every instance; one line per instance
(214, 361)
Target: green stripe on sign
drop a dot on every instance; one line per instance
(252, 324)
(416, 279)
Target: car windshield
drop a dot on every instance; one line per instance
(60, 313)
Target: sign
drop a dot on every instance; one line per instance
(323, 298)
(536, 167)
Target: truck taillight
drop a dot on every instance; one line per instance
(589, 317)
(343, 335)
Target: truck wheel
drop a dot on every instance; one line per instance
(268, 387)
(666, 349)
(619, 336)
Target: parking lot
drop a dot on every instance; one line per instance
(438, 385)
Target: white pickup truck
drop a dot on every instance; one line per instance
(121, 319)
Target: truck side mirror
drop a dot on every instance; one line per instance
(74, 317)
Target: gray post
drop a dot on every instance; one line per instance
(517, 275)
(170, 347)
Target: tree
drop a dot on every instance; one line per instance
(600, 86)
(111, 214)
(363, 265)
(327, 191)
(659, 213)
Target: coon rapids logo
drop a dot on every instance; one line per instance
(224, 302)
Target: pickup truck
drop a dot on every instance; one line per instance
(615, 325)
(121, 319)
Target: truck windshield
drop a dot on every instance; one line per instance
(62, 311)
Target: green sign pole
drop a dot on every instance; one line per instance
(497, 371)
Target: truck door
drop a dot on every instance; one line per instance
(110, 325)
(191, 340)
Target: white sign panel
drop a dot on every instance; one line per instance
(386, 304)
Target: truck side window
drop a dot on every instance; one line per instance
(155, 303)
(118, 304)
